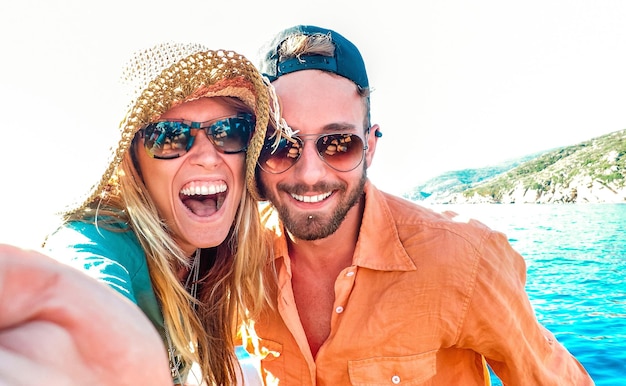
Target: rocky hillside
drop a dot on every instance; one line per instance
(593, 171)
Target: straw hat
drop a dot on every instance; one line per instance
(161, 77)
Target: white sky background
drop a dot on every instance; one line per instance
(457, 84)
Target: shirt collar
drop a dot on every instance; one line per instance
(378, 247)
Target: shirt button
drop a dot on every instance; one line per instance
(339, 309)
(395, 379)
(351, 273)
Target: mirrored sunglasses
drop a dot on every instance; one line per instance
(173, 138)
(341, 151)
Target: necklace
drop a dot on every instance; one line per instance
(191, 285)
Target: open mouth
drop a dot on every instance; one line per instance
(203, 198)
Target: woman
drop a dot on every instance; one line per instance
(171, 224)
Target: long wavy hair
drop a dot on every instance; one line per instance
(231, 290)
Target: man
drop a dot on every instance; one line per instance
(60, 327)
(373, 289)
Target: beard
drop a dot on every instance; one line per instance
(309, 225)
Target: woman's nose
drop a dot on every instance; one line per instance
(203, 151)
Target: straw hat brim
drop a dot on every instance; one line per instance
(166, 75)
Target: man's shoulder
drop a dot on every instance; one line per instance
(414, 220)
(443, 241)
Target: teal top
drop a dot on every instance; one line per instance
(114, 257)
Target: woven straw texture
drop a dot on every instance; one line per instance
(166, 75)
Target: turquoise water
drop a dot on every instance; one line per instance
(576, 259)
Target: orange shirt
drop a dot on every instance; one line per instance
(426, 297)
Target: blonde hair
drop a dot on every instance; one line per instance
(232, 290)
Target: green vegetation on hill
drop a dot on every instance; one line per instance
(460, 180)
(602, 159)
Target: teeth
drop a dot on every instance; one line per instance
(316, 198)
(203, 189)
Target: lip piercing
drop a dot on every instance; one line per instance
(310, 217)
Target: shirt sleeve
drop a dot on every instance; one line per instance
(500, 323)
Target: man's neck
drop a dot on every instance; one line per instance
(332, 253)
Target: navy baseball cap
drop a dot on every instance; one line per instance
(347, 61)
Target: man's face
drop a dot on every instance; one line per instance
(312, 198)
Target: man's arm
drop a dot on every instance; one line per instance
(59, 326)
(502, 326)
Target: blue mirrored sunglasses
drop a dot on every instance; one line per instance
(169, 139)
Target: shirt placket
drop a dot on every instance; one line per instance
(343, 288)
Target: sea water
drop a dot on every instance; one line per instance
(576, 282)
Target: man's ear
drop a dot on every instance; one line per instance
(372, 140)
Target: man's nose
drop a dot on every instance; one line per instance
(310, 168)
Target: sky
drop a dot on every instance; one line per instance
(456, 84)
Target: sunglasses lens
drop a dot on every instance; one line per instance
(342, 152)
(167, 139)
(278, 159)
(171, 139)
(231, 135)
